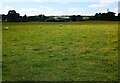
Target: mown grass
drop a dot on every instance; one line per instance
(85, 51)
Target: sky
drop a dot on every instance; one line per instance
(58, 7)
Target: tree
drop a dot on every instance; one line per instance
(76, 18)
(4, 17)
(24, 18)
(12, 16)
(109, 16)
(42, 18)
(79, 18)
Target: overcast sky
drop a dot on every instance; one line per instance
(58, 7)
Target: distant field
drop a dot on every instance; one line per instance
(84, 51)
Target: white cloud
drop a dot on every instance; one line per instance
(29, 11)
(5, 9)
(103, 3)
(41, 10)
(112, 10)
(0, 4)
(37, 0)
(49, 11)
(63, 1)
(115, 10)
(74, 11)
(102, 11)
(16, 0)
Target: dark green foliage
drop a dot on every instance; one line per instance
(12, 16)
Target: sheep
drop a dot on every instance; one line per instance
(60, 25)
(59, 36)
(6, 28)
(84, 36)
(40, 26)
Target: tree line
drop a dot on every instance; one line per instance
(13, 16)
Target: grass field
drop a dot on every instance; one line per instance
(84, 51)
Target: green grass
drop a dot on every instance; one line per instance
(83, 51)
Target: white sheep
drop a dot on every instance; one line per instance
(6, 28)
(83, 36)
(40, 26)
(60, 25)
(59, 36)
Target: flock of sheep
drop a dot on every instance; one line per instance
(60, 25)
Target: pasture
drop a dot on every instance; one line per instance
(85, 51)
